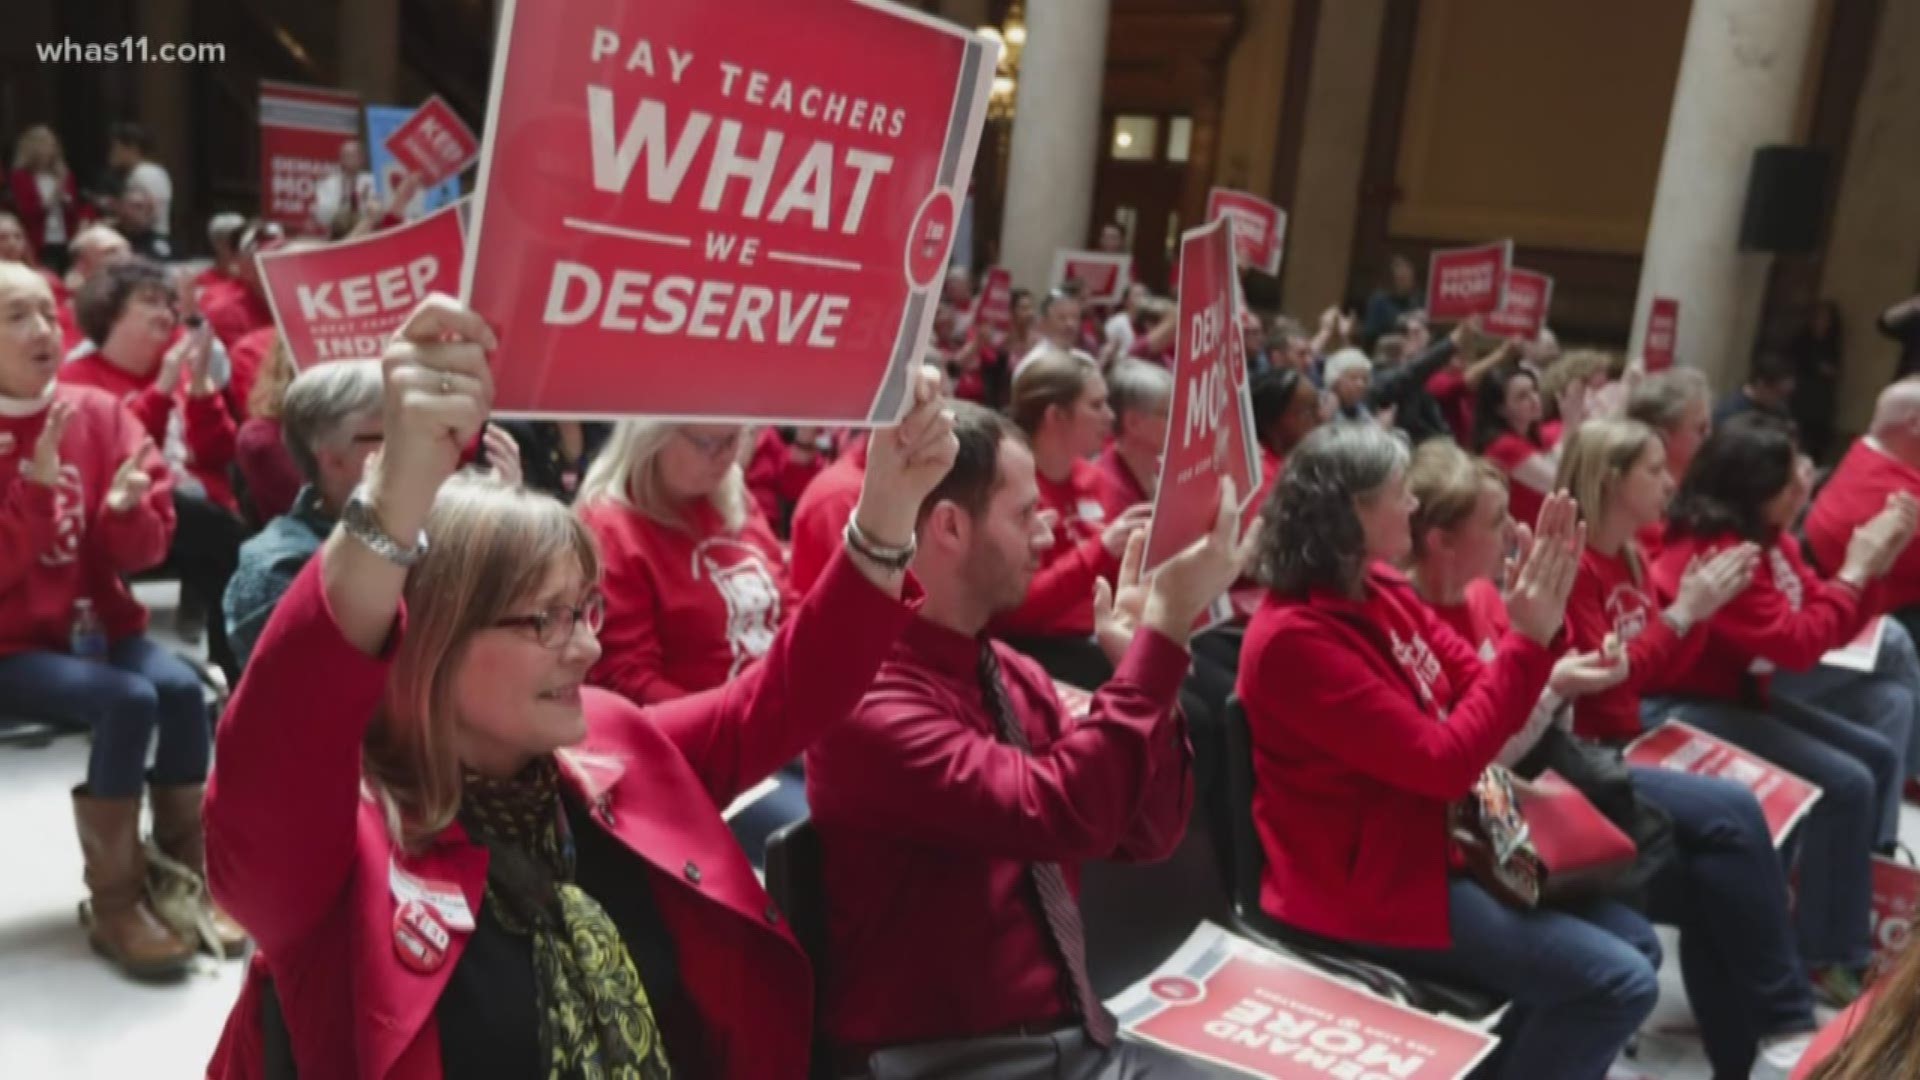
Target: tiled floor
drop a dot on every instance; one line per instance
(65, 1015)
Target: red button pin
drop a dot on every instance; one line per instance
(419, 938)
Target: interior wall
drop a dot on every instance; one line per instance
(1254, 95)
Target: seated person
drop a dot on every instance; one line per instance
(330, 422)
(1369, 717)
(1747, 483)
(960, 788)
(822, 514)
(1286, 409)
(1349, 378)
(267, 469)
(241, 307)
(784, 461)
(556, 454)
(1507, 432)
(1885, 461)
(1572, 390)
(1768, 390)
(1140, 393)
(130, 316)
(1720, 880)
(1060, 404)
(84, 501)
(457, 861)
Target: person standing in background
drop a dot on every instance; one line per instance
(343, 194)
(45, 195)
(1389, 303)
(1816, 351)
(130, 152)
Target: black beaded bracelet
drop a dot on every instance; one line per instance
(890, 558)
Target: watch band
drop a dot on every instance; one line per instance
(358, 519)
(890, 558)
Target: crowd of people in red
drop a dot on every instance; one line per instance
(494, 683)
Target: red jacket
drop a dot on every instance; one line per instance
(1856, 491)
(776, 476)
(1787, 618)
(1060, 599)
(266, 466)
(1368, 718)
(928, 822)
(686, 610)
(1608, 598)
(58, 544)
(33, 209)
(207, 426)
(301, 857)
(822, 515)
(1120, 490)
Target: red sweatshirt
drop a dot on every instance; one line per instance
(1608, 598)
(248, 357)
(1856, 491)
(686, 610)
(1120, 490)
(208, 428)
(1368, 718)
(234, 312)
(1480, 619)
(61, 543)
(1508, 453)
(1060, 599)
(266, 465)
(777, 477)
(825, 508)
(1788, 618)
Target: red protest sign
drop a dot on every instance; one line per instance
(1896, 898)
(993, 308)
(1259, 227)
(1208, 435)
(1524, 313)
(1468, 281)
(1103, 276)
(1784, 798)
(434, 144)
(1663, 331)
(301, 131)
(343, 301)
(1231, 1003)
(727, 209)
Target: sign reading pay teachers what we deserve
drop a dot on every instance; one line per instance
(722, 209)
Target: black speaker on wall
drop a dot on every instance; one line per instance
(1785, 196)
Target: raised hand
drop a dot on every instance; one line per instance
(1134, 518)
(130, 482)
(1579, 674)
(1118, 608)
(1184, 585)
(438, 391)
(1537, 600)
(1711, 584)
(503, 456)
(905, 463)
(44, 468)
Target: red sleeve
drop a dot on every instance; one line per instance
(210, 432)
(1761, 623)
(152, 407)
(137, 539)
(1380, 730)
(815, 673)
(932, 777)
(1058, 587)
(631, 661)
(26, 530)
(284, 796)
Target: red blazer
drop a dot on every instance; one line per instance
(302, 857)
(1367, 719)
(33, 212)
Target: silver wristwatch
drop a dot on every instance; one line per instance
(357, 519)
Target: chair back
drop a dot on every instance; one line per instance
(1249, 859)
(796, 879)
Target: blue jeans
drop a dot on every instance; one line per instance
(1886, 700)
(140, 689)
(1837, 836)
(1727, 894)
(1581, 981)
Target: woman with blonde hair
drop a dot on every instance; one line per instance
(458, 861)
(266, 466)
(1875, 1038)
(46, 196)
(1569, 390)
(696, 583)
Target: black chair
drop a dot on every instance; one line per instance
(1333, 957)
(796, 879)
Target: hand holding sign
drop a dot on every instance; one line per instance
(438, 393)
(906, 462)
(1184, 585)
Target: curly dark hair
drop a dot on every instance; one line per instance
(102, 301)
(1311, 536)
(1739, 469)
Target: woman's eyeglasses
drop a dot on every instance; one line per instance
(554, 627)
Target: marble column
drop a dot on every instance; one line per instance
(370, 49)
(163, 109)
(1333, 153)
(1873, 253)
(1739, 85)
(1056, 136)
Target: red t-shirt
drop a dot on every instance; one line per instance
(234, 312)
(207, 428)
(273, 480)
(1120, 490)
(1607, 598)
(1480, 618)
(1508, 453)
(1060, 599)
(1448, 388)
(60, 543)
(822, 515)
(1856, 491)
(776, 476)
(687, 609)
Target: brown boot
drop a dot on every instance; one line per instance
(119, 924)
(178, 834)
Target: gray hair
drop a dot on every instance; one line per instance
(1345, 361)
(1311, 536)
(1138, 386)
(224, 228)
(1661, 401)
(321, 402)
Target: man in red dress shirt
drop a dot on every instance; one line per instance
(957, 803)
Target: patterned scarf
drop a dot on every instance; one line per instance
(595, 1020)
